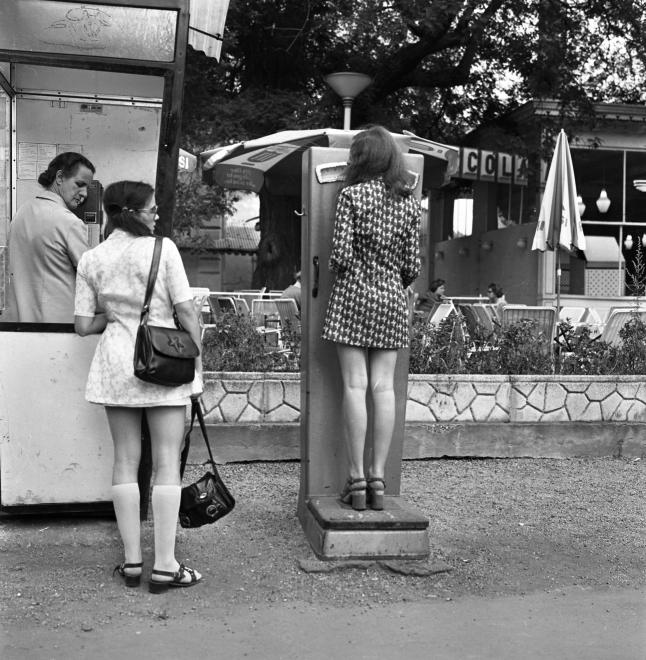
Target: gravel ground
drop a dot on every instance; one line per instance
(502, 526)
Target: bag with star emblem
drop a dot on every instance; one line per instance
(164, 356)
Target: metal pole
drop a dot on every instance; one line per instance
(347, 110)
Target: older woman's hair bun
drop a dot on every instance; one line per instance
(68, 162)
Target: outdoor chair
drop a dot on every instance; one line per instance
(616, 321)
(201, 303)
(221, 305)
(487, 317)
(242, 307)
(543, 316)
(264, 312)
(288, 312)
(265, 316)
(475, 329)
(441, 312)
(572, 314)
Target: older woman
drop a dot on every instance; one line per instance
(46, 241)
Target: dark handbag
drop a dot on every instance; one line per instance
(208, 499)
(164, 356)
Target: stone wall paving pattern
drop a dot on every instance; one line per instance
(255, 398)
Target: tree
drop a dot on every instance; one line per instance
(440, 68)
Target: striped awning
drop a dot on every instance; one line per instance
(206, 25)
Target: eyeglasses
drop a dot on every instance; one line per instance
(152, 209)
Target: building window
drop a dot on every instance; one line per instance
(613, 171)
(462, 217)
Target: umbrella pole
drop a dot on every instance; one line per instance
(557, 353)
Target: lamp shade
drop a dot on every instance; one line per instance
(628, 243)
(581, 205)
(603, 203)
(348, 84)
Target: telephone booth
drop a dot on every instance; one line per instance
(104, 79)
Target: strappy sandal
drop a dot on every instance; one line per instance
(129, 579)
(161, 586)
(376, 488)
(354, 492)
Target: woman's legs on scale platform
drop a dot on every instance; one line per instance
(359, 368)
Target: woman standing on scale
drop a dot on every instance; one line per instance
(375, 257)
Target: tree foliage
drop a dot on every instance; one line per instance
(439, 68)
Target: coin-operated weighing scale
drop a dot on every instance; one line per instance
(308, 165)
(333, 529)
(104, 79)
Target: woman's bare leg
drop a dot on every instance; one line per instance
(352, 360)
(166, 426)
(382, 377)
(125, 427)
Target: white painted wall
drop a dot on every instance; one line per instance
(55, 448)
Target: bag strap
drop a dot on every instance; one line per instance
(152, 276)
(196, 411)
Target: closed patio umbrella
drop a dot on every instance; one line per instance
(559, 221)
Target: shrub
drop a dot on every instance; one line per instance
(234, 344)
(437, 349)
(583, 355)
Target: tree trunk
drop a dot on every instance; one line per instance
(279, 252)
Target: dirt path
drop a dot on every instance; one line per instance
(511, 531)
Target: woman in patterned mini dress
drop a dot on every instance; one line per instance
(375, 257)
(110, 289)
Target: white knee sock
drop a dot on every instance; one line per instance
(125, 498)
(165, 500)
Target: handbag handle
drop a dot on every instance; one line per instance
(196, 411)
(152, 276)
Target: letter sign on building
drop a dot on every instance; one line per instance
(492, 166)
(488, 161)
(469, 165)
(505, 167)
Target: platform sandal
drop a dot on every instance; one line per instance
(376, 488)
(129, 579)
(354, 493)
(161, 586)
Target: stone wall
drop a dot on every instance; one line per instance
(255, 416)
(252, 398)
(526, 399)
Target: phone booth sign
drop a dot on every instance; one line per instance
(104, 79)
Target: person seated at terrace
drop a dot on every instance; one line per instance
(434, 296)
(496, 297)
(294, 290)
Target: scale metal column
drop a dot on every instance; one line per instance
(335, 530)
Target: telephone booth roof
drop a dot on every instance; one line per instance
(249, 165)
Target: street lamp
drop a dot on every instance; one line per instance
(348, 85)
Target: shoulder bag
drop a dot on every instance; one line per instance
(164, 356)
(208, 499)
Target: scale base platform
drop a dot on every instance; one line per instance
(336, 531)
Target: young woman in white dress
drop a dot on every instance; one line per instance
(110, 289)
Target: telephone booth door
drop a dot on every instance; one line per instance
(336, 531)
